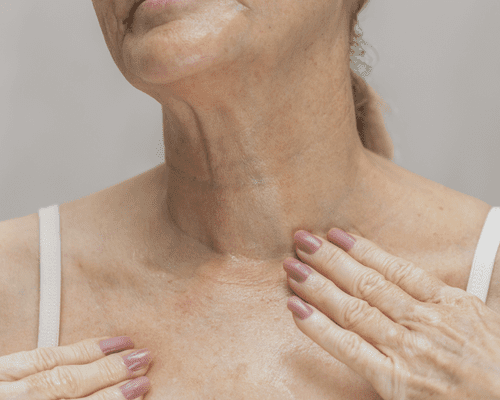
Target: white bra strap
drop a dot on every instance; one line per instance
(50, 277)
(484, 258)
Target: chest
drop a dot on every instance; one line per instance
(221, 357)
(224, 356)
(251, 369)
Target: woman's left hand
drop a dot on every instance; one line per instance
(404, 330)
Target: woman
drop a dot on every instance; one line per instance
(262, 139)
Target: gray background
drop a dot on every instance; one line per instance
(71, 125)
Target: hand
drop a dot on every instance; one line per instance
(405, 331)
(77, 371)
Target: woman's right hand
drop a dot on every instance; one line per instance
(89, 369)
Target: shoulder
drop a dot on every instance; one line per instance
(19, 286)
(493, 299)
(475, 230)
(19, 236)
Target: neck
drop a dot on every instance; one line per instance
(243, 192)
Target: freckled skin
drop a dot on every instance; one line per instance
(260, 141)
(259, 125)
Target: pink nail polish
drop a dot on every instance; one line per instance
(307, 242)
(296, 270)
(115, 344)
(299, 308)
(135, 388)
(137, 359)
(341, 239)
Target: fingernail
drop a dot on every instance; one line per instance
(341, 239)
(137, 360)
(296, 270)
(307, 242)
(300, 309)
(135, 388)
(118, 343)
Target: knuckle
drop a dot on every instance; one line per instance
(398, 269)
(44, 358)
(323, 289)
(67, 378)
(368, 254)
(354, 312)
(346, 344)
(334, 256)
(109, 369)
(417, 345)
(368, 284)
(422, 315)
(83, 351)
(431, 316)
(325, 333)
(56, 382)
(395, 336)
(459, 298)
(349, 346)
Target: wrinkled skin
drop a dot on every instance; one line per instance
(404, 330)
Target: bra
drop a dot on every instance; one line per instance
(50, 269)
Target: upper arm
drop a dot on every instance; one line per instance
(19, 286)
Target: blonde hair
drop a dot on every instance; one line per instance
(367, 103)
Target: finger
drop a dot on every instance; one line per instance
(347, 347)
(133, 389)
(348, 312)
(356, 279)
(415, 281)
(19, 365)
(74, 381)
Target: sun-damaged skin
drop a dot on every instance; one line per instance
(404, 330)
(260, 140)
(94, 369)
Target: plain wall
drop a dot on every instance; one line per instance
(71, 125)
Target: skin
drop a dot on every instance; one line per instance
(260, 142)
(249, 161)
(408, 333)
